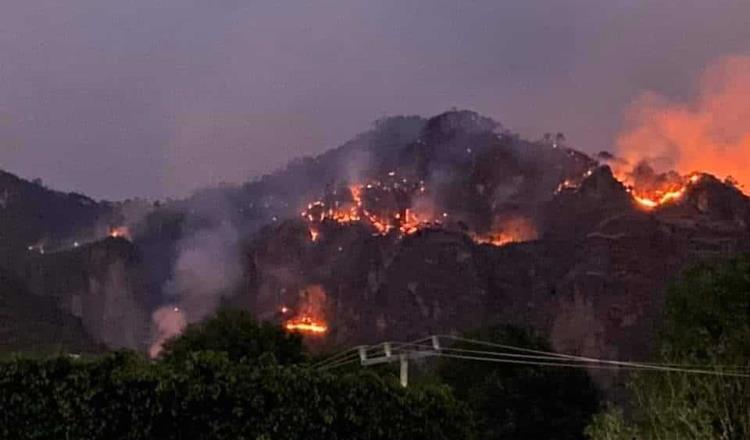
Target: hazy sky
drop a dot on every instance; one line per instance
(157, 97)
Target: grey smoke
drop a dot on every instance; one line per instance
(207, 268)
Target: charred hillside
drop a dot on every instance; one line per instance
(417, 226)
(474, 226)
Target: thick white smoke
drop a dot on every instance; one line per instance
(207, 268)
(169, 322)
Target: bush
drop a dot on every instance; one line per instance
(521, 401)
(237, 334)
(706, 325)
(208, 396)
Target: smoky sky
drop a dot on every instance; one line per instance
(155, 98)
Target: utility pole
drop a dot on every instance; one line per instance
(403, 357)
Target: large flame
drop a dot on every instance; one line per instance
(310, 316)
(648, 189)
(710, 134)
(651, 190)
(306, 324)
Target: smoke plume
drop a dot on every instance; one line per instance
(169, 322)
(207, 268)
(710, 134)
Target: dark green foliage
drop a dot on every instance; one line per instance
(706, 325)
(520, 401)
(707, 314)
(207, 396)
(240, 336)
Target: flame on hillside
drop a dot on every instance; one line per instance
(398, 205)
(710, 134)
(648, 189)
(651, 190)
(309, 318)
(512, 230)
(120, 232)
(385, 206)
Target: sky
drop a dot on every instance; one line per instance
(155, 98)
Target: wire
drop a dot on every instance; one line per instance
(340, 363)
(674, 367)
(566, 359)
(342, 358)
(334, 357)
(611, 367)
(538, 358)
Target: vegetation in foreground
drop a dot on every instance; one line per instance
(232, 378)
(210, 394)
(706, 323)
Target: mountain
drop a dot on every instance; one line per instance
(34, 324)
(416, 226)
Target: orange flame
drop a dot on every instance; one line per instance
(710, 133)
(513, 230)
(306, 324)
(406, 222)
(655, 190)
(120, 232)
(310, 319)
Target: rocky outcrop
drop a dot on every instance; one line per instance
(101, 284)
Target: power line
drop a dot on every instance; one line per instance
(334, 357)
(403, 351)
(643, 365)
(586, 365)
(585, 361)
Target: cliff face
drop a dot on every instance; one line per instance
(418, 226)
(593, 279)
(34, 324)
(102, 285)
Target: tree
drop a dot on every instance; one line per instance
(207, 396)
(707, 325)
(520, 401)
(240, 336)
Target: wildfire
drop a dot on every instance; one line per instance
(708, 132)
(666, 197)
(309, 319)
(400, 206)
(647, 188)
(653, 191)
(306, 324)
(314, 234)
(120, 232)
(513, 230)
(377, 204)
